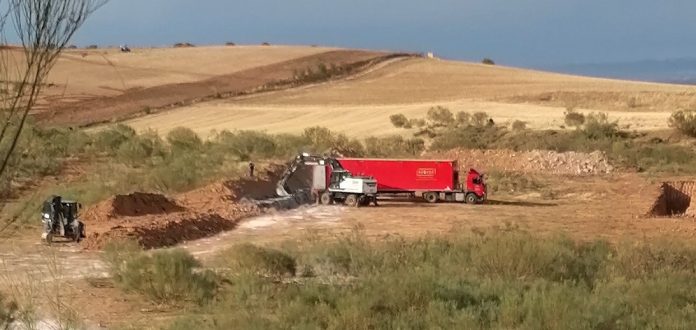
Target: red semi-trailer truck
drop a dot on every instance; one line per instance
(433, 180)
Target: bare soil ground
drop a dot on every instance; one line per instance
(146, 100)
(610, 207)
(362, 106)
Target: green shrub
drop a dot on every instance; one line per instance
(480, 119)
(505, 279)
(109, 140)
(598, 126)
(488, 61)
(463, 118)
(573, 118)
(247, 144)
(184, 139)
(259, 260)
(471, 137)
(393, 146)
(167, 277)
(417, 122)
(400, 121)
(440, 117)
(181, 173)
(519, 125)
(140, 149)
(684, 121)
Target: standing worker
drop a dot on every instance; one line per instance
(251, 169)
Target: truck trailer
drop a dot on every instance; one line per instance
(432, 180)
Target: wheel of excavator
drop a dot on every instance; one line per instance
(352, 201)
(326, 198)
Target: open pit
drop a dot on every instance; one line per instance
(675, 200)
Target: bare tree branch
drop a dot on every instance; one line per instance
(44, 28)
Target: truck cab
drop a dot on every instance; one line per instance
(475, 183)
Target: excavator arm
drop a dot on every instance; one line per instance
(303, 159)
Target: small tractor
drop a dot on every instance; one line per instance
(60, 218)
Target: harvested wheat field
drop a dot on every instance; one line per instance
(114, 89)
(362, 105)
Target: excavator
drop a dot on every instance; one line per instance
(331, 183)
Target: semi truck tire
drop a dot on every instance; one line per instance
(471, 198)
(430, 197)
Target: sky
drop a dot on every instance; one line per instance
(528, 33)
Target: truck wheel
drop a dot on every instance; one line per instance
(430, 197)
(326, 199)
(471, 198)
(352, 201)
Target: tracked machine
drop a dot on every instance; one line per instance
(331, 184)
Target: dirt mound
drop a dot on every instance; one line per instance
(156, 221)
(675, 200)
(132, 205)
(538, 161)
(153, 231)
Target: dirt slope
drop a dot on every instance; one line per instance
(110, 108)
(362, 106)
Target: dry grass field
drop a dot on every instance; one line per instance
(362, 106)
(83, 73)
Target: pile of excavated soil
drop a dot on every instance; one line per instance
(542, 162)
(132, 205)
(157, 221)
(675, 200)
(153, 231)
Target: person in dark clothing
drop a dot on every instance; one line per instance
(251, 169)
(57, 215)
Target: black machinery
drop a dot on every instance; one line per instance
(60, 218)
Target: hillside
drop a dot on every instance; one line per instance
(115, 86)
(362, 106)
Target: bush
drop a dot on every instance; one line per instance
(440, 117)
(463, 118)
(480, 119)
(684, 122)
(184, 139)
(247, 144)
(488, 61)
(399, 121)
(393, 146)
(573, 118)
(504, 279)
(167, 277)
(109, 140)
(519, 125)
(597, 126)
(259, 260)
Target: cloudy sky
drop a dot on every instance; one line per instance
(533, 33)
